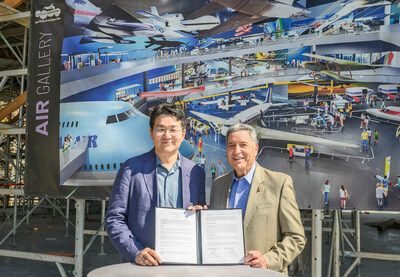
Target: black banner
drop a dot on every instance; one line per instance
(46, 36)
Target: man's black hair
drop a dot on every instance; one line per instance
(169, 109)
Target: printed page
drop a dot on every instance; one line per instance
(222, 236)
(176, 236)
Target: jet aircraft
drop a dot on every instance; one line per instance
(114, 24)
(116, 131)
(176, 22)
(162, 43)
(348, 6)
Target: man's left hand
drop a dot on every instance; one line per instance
(255, 259)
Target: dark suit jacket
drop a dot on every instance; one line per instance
(272, 223)
(130, 215)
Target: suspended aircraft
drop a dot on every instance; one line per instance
(348, 6)
(335, 68)
(172, 93)
(163, 43)
(248, 12)
(114, 24)
(221, 125)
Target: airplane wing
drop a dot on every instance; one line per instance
(267, 133)
(112, 17)
(257, 101)
(152, 16)
(91, 36)
(172, 93)
(208, 43)
(210, 118)
(335, 75)
(340, 61)
(208, 9)
(234, 22)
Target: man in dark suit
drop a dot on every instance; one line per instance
(159, 178)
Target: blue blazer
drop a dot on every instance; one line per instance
(130, 215)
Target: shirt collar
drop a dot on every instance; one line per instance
(248, 177)
(176, 164)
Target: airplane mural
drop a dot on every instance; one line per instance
(111, 129)
(221, 58)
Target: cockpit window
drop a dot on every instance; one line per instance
(131, 112)
(122, 117)
(111, 119)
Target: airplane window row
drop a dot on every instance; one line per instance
(102, 166)
(114, 118)
(66, 124)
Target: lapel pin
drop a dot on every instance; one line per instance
(258, 189)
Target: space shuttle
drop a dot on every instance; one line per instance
(113, 131)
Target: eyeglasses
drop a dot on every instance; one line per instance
(162, 131)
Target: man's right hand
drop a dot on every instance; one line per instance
(148, 257)
(197, 207)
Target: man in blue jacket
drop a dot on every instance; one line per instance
(159, 178)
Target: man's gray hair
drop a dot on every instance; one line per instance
(243, 127)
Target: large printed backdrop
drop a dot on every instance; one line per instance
(96, 70)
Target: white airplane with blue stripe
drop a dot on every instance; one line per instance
(116, 131)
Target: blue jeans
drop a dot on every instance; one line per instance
(379, 201)
(326, 196)
(364, 143)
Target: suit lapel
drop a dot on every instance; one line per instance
(226, 189)
(150, 177)
(185, 182)
(256, 192)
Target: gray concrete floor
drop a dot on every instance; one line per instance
(46, 233)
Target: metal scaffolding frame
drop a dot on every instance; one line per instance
(338, 250)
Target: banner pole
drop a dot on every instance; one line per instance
(316, 243)
(80, 223)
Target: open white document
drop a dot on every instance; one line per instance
(199, 237)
